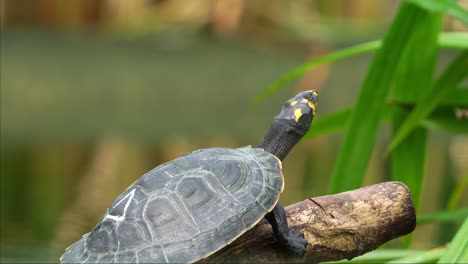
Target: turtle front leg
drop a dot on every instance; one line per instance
(289, 238)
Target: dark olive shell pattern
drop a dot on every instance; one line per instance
(185, 209)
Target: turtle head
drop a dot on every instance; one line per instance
(300, 110)
(291, 124)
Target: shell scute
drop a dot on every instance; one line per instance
(125, 257)
(166, 223)
(107, 259)
(181, 252)
(130, 235)
(158, 178)
(196, 194)
(232, 175)
(151, 254)
(250, 215)
(101, 240)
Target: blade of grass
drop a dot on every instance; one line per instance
(330, 123)
(408, 160)
(459, 214)
(425, 257)
(447, 119)
(451, 77)
(457, 40)
(455, 97)
(457, 251)
(380, 255)
(443, 118)
(414, 77)
(457, 193)
(299, 71)
(458, 97)
(444, 6)
(363, 124)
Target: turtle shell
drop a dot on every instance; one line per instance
(186, 209)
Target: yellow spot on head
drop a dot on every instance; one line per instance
(297, 114)
(293, 103)
(305, 101)
(315, 93)
(312, 106)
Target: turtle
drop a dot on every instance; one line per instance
(187, 209)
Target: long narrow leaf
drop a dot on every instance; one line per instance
(330, 123)
(455, 98)
(457, 193)
(409, 159)
(413, 78)
(445, 6)
(447, 119)
(426, 257)
(458, 249)
(443, 118)
(380, 256)
(459, 214)
(299, 71)
(363, 124)
(453, 75)
(456, 40)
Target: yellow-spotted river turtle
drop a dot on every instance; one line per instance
(189, 208)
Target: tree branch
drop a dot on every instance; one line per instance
(339, 226)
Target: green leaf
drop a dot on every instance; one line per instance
(447, 116)
(414, 77)
(330, 123)
(300, 70)
(425, 257)
(457, 193)
(456, 40)
(380, 255)
(452, 75)
(455, 98)
(443, 118)
(364, 121)
(445, 216)
(445, 6)
(408, 161)
(447, 119)
(458, 249)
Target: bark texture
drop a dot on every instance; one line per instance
(339, 226)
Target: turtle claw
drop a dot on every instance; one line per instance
(296, 243)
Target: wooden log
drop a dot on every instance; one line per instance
(339, 226)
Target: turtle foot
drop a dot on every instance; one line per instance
(295, 243)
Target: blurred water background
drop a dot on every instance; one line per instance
(96, 93)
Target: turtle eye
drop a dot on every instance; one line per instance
(309, 96)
